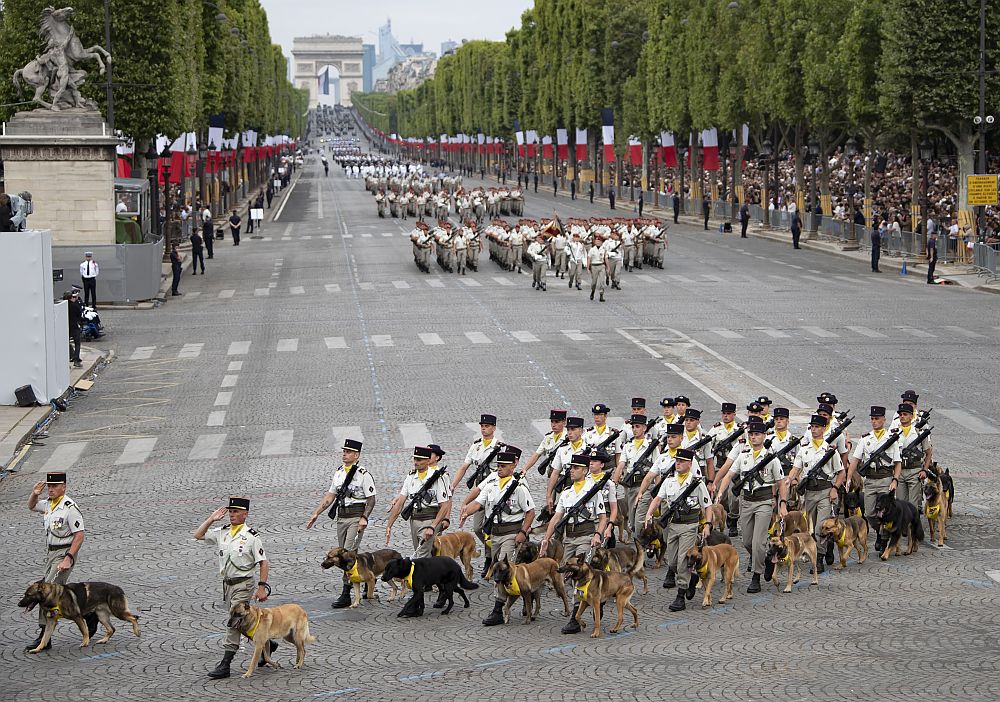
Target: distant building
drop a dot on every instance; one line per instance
(368, 67)
(447, 46)
(407, 74)
(391, 52)
(345, 56)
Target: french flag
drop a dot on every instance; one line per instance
(562, 144)
(710, 149)
(520, 143)
(669, 149)
(608, 133)
(547, 147)
(532, 138)
(581, 144)
(635, 151)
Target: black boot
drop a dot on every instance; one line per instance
(572, 626)
(671, 579)
(345, 597)
(829, 553)
(820, 566)
(754, 584)
(222, 670)
(733, 523)
(38, 639)
(678, 605)
(769, 568)
(496, 616)
(692, 584)
(486, 567)
(273, 645)
(92, 622)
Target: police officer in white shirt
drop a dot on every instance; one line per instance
(88, 272)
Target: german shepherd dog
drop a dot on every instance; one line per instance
(621, 559)
(425, 573)
(790, 549)
(852, 498)
(651, 538)
(937, 507)
(74, 601)
(898, 518)
(460, 545)
(598, 586)
(848, 534)
(526, 580)
(707, 562)
(260, 625)
(367, 567)
(528, 551)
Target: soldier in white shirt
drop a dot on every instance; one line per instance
(601, 433)
(561, 463)
(628, 238)
(577, 260)
(662, 466)
(432, 507)
(551, 441)
(515, 510)
(637, 457)
(638, 406)
(613, 257)
(826, 411)
(516, 241)
(460, 245)
(757, 499)
(486, 447)
(241, 551)
(539, 256)
(659, 429)
(682, 530)
(884, 472)
(694, 435)
(596, 263)
(915, 456)
(559, 243)
(821, 488)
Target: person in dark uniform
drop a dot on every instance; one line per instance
(175, 268)
(744, 220)
(270, 195)
(208, 238)
(706, 209)
(611, 196)
(536, 181)
(572, 190)
(234, 227)
(640, 203)
(250, 217)
(876, 243)
(796, 228)
(75, 313)
(932, 255)
(677, 205)
(591, 192)
(196, 253)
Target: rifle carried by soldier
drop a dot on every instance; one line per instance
(814, 471)
(678, 502)
(498, 507)
(483, 468)
(338, 499)
(642, 464)
(913, 453)
(418, 497)
(753, 474)
(724, 446)
(879, 453)
(544, 465)
(572, 511)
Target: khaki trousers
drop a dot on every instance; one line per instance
(421, 550)
(54, 575)
(680, 538)
(232, 594)
(755, 518)
(818, 507)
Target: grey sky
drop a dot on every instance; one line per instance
(427, 21)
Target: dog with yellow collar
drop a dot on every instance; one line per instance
(260, 625)
(848, 534)
(525, 581)
(364, 568)
(707, 561)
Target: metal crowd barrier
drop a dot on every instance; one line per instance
(985, 259)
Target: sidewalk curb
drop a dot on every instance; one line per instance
(25, 429)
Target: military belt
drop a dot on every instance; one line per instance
(580, 529)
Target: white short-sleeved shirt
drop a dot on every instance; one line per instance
(745, 461)
(361, 488)
(438, 492)
(809, 454)
(672, 487)
(907, 438)
(238, 553)
(570, 496)
(869, 443)
(61, 520)
(565, 455)
(516, 505)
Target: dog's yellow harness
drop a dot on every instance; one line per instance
(583, 590)
(513, 589)
(353, 575)
(842, 539)
(887, 525)
(703, 571)
(932, 512)
(408, 580)
(253, 629)
(55, 612)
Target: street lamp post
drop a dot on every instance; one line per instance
(681, 153)
(153, 174)
(813, 160)
(766, 153)
(926, 154)
(166, 155)
(851, 150)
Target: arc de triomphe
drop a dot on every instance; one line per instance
(311, 54)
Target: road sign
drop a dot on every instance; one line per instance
(982, 190)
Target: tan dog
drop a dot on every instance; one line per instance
(620, 559)
(597, 586)
(528, 551)
(525, 580)
(937, 507)
(364, 568)
(795, 522)
(73, 601)
(849, 534)
(260, 625)
(708, 561)
(460, 545)
(716, 514)
(789, 549)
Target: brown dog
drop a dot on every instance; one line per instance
(654, 542)
(597, 586)
(73, 601)
(849, 534)
(937, 508)
(525, 580)
(789, 549)
(460, 545)
(260, 625)
(364, 568)
(707, 561)
(795, 522)
(717, 514)
(528, 551)
(620, 559)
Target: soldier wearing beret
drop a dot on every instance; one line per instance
(241, 551)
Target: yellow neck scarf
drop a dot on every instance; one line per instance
(234, 530)
(422, 474)
(579, 486)
(879, 433)
(504, 481)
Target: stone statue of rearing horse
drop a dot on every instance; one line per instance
(55, 69)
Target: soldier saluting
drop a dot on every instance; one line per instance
(352, 492)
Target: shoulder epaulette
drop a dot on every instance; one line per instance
(717, 424)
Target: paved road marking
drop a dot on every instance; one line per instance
(229, 381)
(820, 332)
(542, 426)
(435, 282)
(142, 353)
(525, 337)
(704, 388)
(382, 340)
(297, 290)
(275, 274)
(816, 279)
(272, 285)
(277, 442)
(870, 333)
(680, 279)
(341, 433)
(993, 575)
(216, 418)
(366, 236)
(773, 333)
(261, 292)
(576, 335)
(470, 282)
(400, 285)
(727, 333)
(235, 366)
(386, 233)
(919, 333)
(969, 421)
(332, 287)
(224, 294)
(502, 281)
(207, 446)
(192, 295)
(288, 344)
(647, 278)
(474, 428)
(415, 434)
(64, 456)
(327, 236)
(966, 333)
(478, 338)
(792, 265)
(223, 399)
(136, 451)
(307, 236)
(348, 236)
(366, 286)
(714, 278)
(190, 351)
(335, 342)
(431, 340)
(238, 348)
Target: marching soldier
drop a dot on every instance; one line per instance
(601, 432)
(559, 250)
(909, 397)
(611, 493)
(720, 432)
(64, 535)
(828, 398)
(353, 510)
(662, 466)
(630, 475)
(551, 441)
(884, 473)
(915, 456)
(490, 443)
(596, 263)
(826, 411)
(821, 489)
(681, 404)
(564, 456)
(756, 501)
(613, 257)
(692, 435)
(539, 256)
(431, 505)
(629, 235)
(659, 429)
(577, 259)
(510, 528)
(765, 403)
(682, 531)
(241, 552)
(516, 242)
(584, 529)
(781, 437)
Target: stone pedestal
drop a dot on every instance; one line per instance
(66, 160)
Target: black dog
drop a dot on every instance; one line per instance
(425, 573)
(897, 518)
(852, 502)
